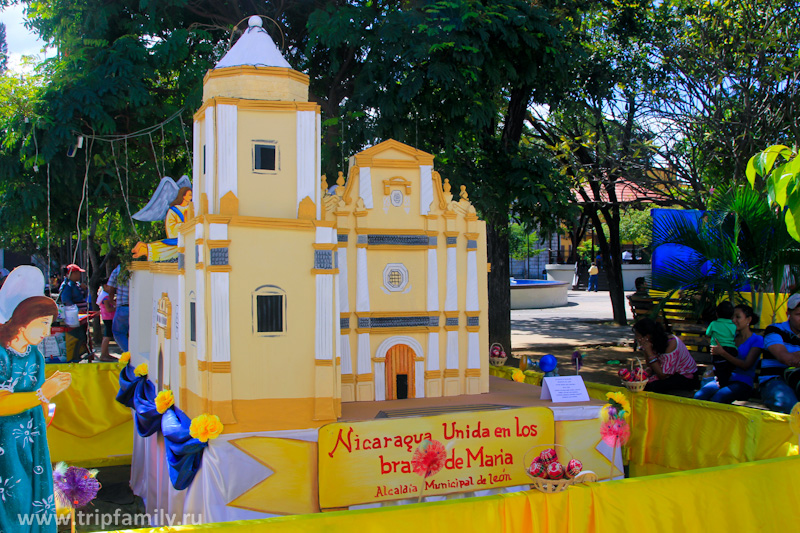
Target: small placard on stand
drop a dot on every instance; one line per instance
(564, 389)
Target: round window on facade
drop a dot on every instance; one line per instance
(395, 277)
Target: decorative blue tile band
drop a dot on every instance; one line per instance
(323, 259)
(342, 237)
(452, 240)
(219, 256)
(344, 323)
(473, 321)
(451, 321)
(396, 322)
(472, 245)
(401, 240)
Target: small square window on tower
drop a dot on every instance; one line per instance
(265, 156)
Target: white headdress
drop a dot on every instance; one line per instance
(24, 282)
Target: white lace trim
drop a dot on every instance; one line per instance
(19, 354)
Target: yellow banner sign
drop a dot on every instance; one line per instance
(365, 462)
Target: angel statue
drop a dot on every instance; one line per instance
(169, 203)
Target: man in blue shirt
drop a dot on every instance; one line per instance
(72, 293)
(781, 350)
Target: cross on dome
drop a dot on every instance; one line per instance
(254, 48)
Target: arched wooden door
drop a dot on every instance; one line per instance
(400, 372)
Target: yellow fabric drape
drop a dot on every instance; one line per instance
(531, 377)
(90, 427)
(685, 501)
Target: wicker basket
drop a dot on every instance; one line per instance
(636, 386)
(497, 361)
(551, 486)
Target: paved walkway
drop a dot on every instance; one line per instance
(586, 320)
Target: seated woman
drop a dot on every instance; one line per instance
(669, 363)
(740, 386)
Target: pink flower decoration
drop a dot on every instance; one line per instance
(428, 458)
(615, 432)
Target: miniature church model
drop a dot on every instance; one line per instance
(291, 296)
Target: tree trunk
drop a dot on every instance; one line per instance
(499, 288)
(612, 261)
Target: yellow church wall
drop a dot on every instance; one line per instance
(413, 301)
(257, 190)
(256, 83)
(285, 259)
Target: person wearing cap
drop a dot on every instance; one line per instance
(72, 293)
(781, 351)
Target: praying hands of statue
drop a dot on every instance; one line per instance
(140, 250)
(56, 384)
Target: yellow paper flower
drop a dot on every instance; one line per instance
(125, 358)
(205, 427)
(794, 420)
(518, 376)
(164, 400)
(141, 370)
(622, 400)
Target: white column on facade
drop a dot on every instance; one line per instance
(364, 364)
(419, 379)
(380, 382)
(344, 288)
(433, 280)
(211, 168)
(451, 304)
(227, 141)
(197, 162)
(318, 162)
(452, 349)
(324, 316)
(364, 354)
(433, 351)
(324, 323)
(473, 345)
(425, 189)
(337, 323)
(473, 350)
(200, 303)
(179, 317)
(451, 295)
(472, 281)
(307, 183)
(219, 283)
(362, 281)
(343, 292)
(365, 186)
(433, 305)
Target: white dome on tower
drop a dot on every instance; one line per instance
(254, 48)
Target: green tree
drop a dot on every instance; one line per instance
(598, 134)
(456, 79)
(522, 242)
(782, 182)
(732, 86)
